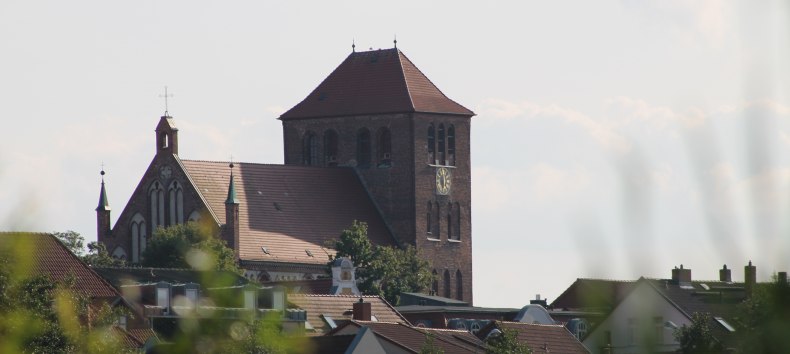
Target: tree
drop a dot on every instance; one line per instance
(72, 240)
(382, 270)
(697, 338)
(429, 347)
(506, 342)
(188, 246)
(763, 320)
(97, 255)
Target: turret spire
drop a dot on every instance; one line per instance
(104, 204)
(232, 199)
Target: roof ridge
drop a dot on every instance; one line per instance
(268, 164)
(402, 73)
(429, 81)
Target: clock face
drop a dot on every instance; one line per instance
(165, 172)
(443, 181)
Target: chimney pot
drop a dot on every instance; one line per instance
(362, 310)
(725, 274)
(750, 278)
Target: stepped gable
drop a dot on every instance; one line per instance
(50, 257)
(375, 82)
(289, 210)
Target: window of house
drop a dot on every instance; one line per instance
(384, 148)
(447, 289)
(431, 144)
(330, 147)
(441, 148)
(363, 148)
(459, 285)
(451, 145)
(309, 149)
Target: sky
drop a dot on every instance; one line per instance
(613, 139)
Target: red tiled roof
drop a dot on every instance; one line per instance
(541, 338)
(414, 338)
(379, 81)
(50, 257)
(340, 307)
(289, 209)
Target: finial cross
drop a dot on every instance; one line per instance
(165, 97)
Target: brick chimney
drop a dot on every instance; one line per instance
(750, 278)
(725, 274)
(362, 310)
(681, 276)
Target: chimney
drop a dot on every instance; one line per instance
(725, 274)
(681, 276)
(750, 278)
(539, 301)
(361, 310)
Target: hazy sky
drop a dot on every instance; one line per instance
(613, 139)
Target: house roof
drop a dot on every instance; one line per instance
(340, 307)
(330, 344)
(414, 338)
(593, 294)
(134, 275)
(456, 309)
(540, 338)
(374, 82)
(291, 211)
(314, 286)
(50, 257)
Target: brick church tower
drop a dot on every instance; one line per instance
(409, 144)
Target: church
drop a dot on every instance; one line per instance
(376, 141)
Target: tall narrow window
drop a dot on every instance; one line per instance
(451, 145)
(438, 224)
(431, 144)
(309, 149)
(457, 221)
(384, 148)
(459, 285)
(442, 150)
(435, 283)
(176, 202)
(156, 196)
(363, 147)
(450, 228)
(428, 220)
(139, 240)
(447, 289)
(330, 147)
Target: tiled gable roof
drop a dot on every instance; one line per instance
(593, 294)
(50, 257)
(414, 338)
(378, 81)
(541, 338)
(340, 307)
(289, 210)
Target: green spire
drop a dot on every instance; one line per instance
(231, 189)
(104, 204)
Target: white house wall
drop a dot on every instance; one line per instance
(641, 308)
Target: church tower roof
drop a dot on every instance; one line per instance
(232, 199)
(104, 204)
(375, 82)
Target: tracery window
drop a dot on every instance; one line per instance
(441, 148)
(176, 201)
(156, 198)
(431, 144)
(139, 240)
(451, 145)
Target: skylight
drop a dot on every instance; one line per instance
(724, 324)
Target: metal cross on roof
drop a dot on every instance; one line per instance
(166, 96)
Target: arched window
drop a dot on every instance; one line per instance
(309, 149)
(435, 283)
(451, 145)
(457, 222)
(431, 145)
(429, 220)
(164, 140)
(441, 146)
(384, 148)
(363, 147)
(119, 253)
(156, 197)
(447, 289)
(330, 147)
(450, 225)
(176, 202)
(459, 285)
(139, 239)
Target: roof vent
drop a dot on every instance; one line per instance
(277, 206)
(309, 254)
(265, 250)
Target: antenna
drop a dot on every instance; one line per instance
(353, 46)
(395, 41)
(166, 96)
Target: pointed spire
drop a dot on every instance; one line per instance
(231, 189)
(104, 204)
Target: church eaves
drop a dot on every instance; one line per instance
(375, 82)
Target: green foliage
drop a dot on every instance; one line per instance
(382, 270)
(506, 342)
(72, 240)
(763, 321)
(188, 246)
(429, 347)
(697, 338)
(98, 256)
